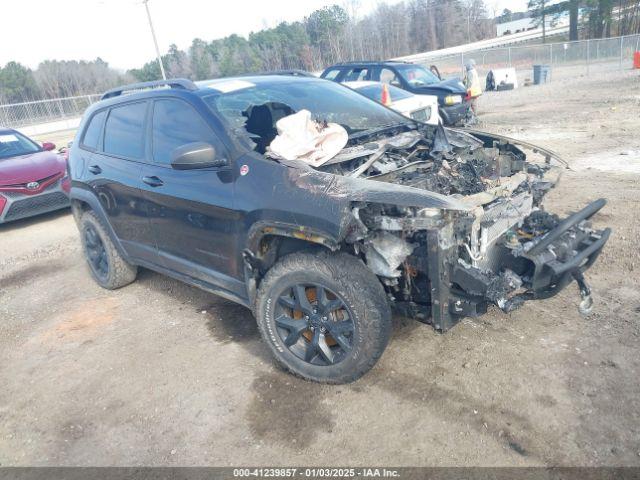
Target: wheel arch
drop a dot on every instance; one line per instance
(82, 201)
(268, 242)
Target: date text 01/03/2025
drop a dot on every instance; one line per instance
(316, 472)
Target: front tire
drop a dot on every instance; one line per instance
(325, 317)
(106, 265)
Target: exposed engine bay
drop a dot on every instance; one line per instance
(481, 236)
(502, 248)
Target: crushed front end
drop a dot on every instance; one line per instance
(439, 265)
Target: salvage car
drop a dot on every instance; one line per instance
(436, 224)
(455, 109)
(423, 108)
(33, 178)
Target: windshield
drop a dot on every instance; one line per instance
(374, 92)
(417, 76)
(14, 144)
(256, 109)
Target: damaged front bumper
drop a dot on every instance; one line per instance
(453, 222)
(534, 270)
(455, 114)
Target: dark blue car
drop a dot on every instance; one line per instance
(454, 107)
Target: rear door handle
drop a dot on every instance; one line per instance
(153, 181)
(95, 169)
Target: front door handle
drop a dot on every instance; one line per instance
(153, 181)
(95, 169)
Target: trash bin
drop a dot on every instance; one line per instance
(541, 74)
(636, 60)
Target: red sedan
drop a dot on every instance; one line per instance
(33, 178)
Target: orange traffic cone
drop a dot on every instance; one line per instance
(386, 97)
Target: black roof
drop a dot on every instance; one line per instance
(181, 86)
(188, 85)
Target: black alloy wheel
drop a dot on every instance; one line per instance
(96, 252)
(315, 324)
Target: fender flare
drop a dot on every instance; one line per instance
(261, 229)
(88, 198)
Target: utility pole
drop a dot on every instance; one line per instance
(544, 21)
(155, 41)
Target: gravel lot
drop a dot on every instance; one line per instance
(160, 373)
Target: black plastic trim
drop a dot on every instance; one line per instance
(182, 83)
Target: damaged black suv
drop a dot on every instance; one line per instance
(183, 178)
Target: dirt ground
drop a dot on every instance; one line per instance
(160, 373)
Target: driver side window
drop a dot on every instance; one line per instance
(176, 123)
(388, 76)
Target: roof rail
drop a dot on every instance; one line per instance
(182, 83)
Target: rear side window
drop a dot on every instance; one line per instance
(331, 74)
(176, 123)
(388, 76)
(356, 75)
(92, 133)
(124, 131)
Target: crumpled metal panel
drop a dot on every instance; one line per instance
(362, 190)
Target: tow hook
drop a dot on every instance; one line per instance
(586, 305)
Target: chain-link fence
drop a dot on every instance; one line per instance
(43, 111)
(584, 56)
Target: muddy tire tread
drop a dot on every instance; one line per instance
(364, 293)
(121, 273)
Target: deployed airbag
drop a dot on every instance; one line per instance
(302, 138)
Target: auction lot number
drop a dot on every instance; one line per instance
(314, 472)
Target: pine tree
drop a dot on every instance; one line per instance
(538, 9)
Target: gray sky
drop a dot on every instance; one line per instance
(117, 30)
(499, 5)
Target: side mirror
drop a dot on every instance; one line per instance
(48, 146)
(196, 155)
(395, 83)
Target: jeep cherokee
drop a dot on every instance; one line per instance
(436, 224)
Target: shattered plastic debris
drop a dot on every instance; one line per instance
(302, 138)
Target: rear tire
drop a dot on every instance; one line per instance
(325, 317)
(106, 265)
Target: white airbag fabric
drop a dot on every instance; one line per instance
(301, 138)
